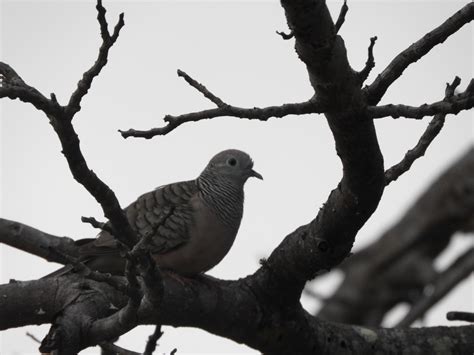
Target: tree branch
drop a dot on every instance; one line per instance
(370, 64)
(342, 16)
(447, 280)
(434, 127)
(417, 50)
(33, 241)
(60, 118)
(224, 110)
(455, 105)
(397, 267)
(464, 316)
(108, 41)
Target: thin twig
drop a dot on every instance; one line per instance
(342, 16)
(286, 36)
(201, 88)
(433, 129)
(462, 316)
(447, 280)
(35, 339)
(98, 225)
(394, 70)
(152, 341)
(108, 41)
(370, 64)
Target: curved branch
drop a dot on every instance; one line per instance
(417, 50)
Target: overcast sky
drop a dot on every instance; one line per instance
(232, 48)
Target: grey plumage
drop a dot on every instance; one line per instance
(193, 223)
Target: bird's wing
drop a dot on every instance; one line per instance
(165, 213)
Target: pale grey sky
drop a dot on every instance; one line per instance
(232, 48)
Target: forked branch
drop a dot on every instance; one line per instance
(224, 110)
(417, 50)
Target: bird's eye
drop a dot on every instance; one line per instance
(232, 162)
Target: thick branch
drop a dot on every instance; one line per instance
(398, 266)
(36, 242)
(417, 50)
(224, 308)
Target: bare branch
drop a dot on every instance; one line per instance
(417, 50)
(108, 41)
(98, 225)
(255, 113)
(370, 64)
(342, 16)
(36, 242)
(454, 106)
(152, 340)
(434, 127)
(13, 87)
(286, 36)
(201, 88)
(447, 280)
(464, 316)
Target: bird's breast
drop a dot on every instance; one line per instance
(209, 241)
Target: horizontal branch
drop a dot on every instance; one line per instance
(212, 305)
(453, 106)
(226, 110)
(417, 50)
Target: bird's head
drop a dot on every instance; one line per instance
(233, 165)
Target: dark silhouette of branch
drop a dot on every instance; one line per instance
(226, 110)
(108, 41)
(60, 118)
(464, 316)
(417, 50)
(433, 129)
(456, 104)
(370, 64)
(446, 281)
(263, 309)
(286, 36)
(96, 224)
(342, 16)
(152, 340)
(398, 266)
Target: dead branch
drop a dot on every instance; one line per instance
(455, 105)
(417, 50)
(433, 129)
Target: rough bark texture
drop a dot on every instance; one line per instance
(262, 310)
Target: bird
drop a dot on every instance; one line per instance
(191, 224)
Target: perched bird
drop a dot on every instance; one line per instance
(192, 223)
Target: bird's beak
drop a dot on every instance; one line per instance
(255, 174)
